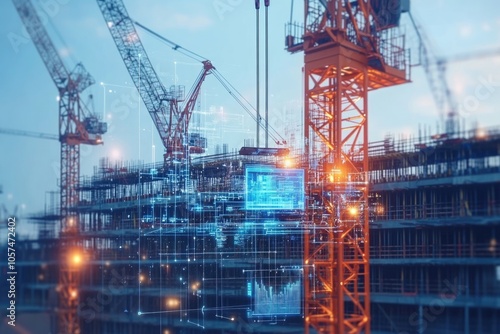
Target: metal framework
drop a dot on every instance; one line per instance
(171, 119)
(76, 126)
(349, 50)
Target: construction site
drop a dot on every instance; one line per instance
(336, 234)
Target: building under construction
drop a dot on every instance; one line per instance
(340, 236)
(159, 258)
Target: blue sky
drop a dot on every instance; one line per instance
(224, 32)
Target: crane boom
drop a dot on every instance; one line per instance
(29, 134)
(187, 111)
(170, 119)
(154, 95)
(42, 42)
(48, 52)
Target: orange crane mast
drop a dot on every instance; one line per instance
(350, 48)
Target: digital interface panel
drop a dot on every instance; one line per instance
(275, 292)
(271, 188)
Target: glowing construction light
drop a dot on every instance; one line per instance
(481, 134)
(141, 278)
(173, 302)
(353, 210)
(76, 258)
(195, 286)
(493, 245)
(73, 294)
(334, 174)
(287, 163)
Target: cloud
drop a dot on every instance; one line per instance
(465, 30)
(486, 26)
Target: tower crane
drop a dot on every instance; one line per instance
(350, 48)
(435, 70)
(170, 118)
(76, 126)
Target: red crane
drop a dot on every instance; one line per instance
(76, 126)
(350, 48)
(170, 118)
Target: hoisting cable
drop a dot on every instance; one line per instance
(278, 139)
(175, 46)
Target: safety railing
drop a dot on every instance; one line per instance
(435, 251)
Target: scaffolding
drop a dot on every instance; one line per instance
(175, 249)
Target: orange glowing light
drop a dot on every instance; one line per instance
(76, 258)
(173, 302)
(353, 211)
(288, 163)
(195, 286)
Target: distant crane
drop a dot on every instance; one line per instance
(76, 126)
(6, 214)
(435, 70)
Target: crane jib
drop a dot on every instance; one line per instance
(171, 121)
